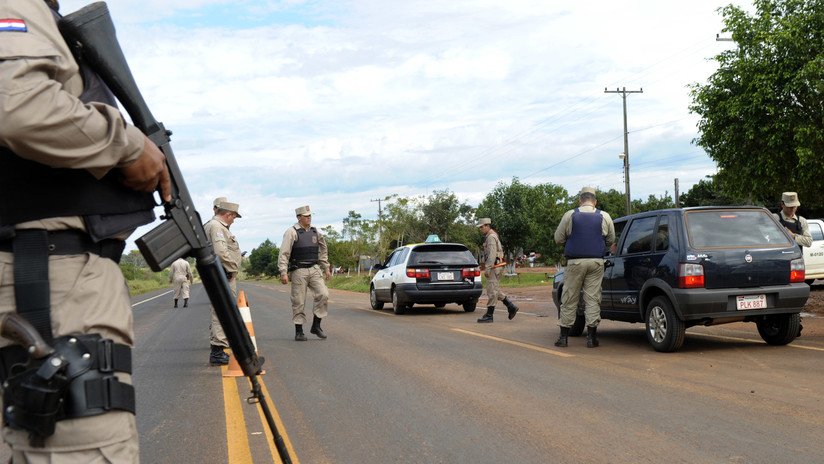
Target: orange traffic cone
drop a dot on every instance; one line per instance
(233, 369)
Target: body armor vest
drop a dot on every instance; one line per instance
(305, 250)
(31, 191)
(586, 239)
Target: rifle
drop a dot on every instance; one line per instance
(91, 35)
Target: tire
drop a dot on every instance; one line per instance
(665, 331)
(440, 305)
(397, 307)
(470, 306)
(373, 299)
(809, 282)
(779, 329)
(577, 328)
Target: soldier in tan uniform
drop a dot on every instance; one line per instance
(180, 274)
(796, 225)
(493, 255)
(304, 260)
(66, 154)
(586, 233)
(227, 249)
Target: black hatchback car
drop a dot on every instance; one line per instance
(676, 268)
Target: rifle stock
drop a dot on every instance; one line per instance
(91, 34)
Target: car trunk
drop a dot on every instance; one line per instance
(731, 268)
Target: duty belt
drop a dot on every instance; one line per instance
(67, 242)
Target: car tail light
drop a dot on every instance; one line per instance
(468, 272)
(797, 270)
(417, 273)
(690, 275)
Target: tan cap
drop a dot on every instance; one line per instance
(790, 199)
(303, 211)
(484, 222)
(587, 190)
(229, 206)
(218, 201)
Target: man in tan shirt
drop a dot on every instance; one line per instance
(228, 250)
(180, 274)
(304, 260)
(64, 154)
(492, 263)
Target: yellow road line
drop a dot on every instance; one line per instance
(237, 438)
(723, 337)
(279, 424)
(516, 343)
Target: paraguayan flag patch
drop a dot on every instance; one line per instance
(13, 25)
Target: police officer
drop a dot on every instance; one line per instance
(180, 274)
(586, 233)
(227, 249)
(72, 170)
(493, 255)
(304, 261)
(795, 225)
(217, 201)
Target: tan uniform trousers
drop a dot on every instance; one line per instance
(493, 286)
(303, 280)
(181, 287)
(88, 295)
(216, 335)
(582, 274)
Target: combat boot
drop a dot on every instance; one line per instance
(299, 336)
(490, 310)
(185, 302)
(316, 328)
(563, 339)
(218, 357)
(510, 307)
(175, 303)
(592, 339)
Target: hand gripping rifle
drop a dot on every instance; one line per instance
(91, 34)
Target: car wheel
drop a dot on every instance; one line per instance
(440, 305)
(397, 307)
(577, 328)
(779, 329)
(809, 282)
(470, 306)
(665, 331)
(373, 299)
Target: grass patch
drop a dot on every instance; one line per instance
(351, 283)
(525, 279)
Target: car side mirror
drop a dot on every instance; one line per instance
(378, 267)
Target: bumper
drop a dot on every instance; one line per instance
(702, 303)
(410, 293)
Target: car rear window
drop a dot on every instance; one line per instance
(734, 228)
(441, 254)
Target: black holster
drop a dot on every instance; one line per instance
(77, 380)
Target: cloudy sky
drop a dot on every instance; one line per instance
(333, 103)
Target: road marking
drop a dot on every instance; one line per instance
(279, 425)
(528, 346)
(737, 339)
(236, 434)
(150, 299)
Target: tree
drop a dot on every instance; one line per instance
(707, 192)
(263, 260)
(762, 111)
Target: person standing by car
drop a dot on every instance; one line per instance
(795, 225)
(586, 233)
(180, 274)
(493, 254)
(304, 260)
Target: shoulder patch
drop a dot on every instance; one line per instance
(13, 25)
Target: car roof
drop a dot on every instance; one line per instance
(413, 245)
(692, 208)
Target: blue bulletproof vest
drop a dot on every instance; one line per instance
(586, 240)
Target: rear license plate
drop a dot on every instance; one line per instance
(744, 302)
(446, 276)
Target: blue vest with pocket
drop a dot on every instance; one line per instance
(586, 239)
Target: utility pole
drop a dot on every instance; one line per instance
(677, 203)
(624, 93)
(380, 217)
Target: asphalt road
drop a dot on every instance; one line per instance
(433, 386)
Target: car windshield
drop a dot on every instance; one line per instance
(734, 228)
(441, 254)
